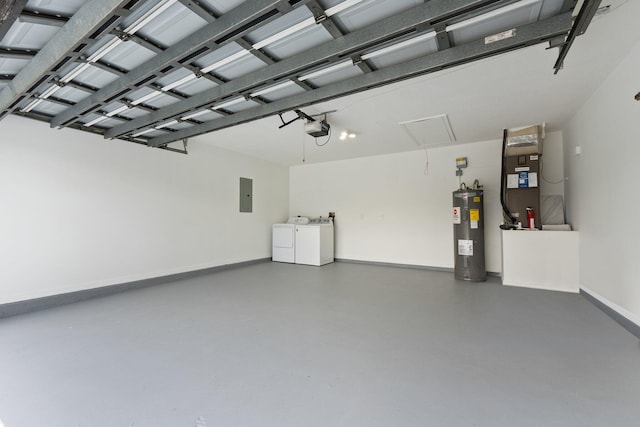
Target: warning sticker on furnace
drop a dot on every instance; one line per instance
(474, 214)
(465, 247)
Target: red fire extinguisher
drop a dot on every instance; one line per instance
(531, 218)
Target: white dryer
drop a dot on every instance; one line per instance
(283, 238)
(314, 242)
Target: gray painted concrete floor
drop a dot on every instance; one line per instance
(341, 345)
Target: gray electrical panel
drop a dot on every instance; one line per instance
(468, 235)
(246, 195)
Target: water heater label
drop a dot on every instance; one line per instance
(465, 247)
(456, 215)
(474, 224)
(474, 214)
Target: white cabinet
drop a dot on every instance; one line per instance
(540, 259)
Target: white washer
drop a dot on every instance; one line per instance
(314, 242)
(284, 239)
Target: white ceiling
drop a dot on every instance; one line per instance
(480, 98)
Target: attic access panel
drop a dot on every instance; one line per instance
(126, 68)
(429, 131)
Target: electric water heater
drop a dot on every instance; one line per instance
(468, 234)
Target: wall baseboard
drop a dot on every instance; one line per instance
(391, 264)
(625, 318)
(416, 266)
(36, 304)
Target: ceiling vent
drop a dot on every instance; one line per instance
(429, 131)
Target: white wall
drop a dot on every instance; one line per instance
(79, 212)
(389, 210)
(602, 199)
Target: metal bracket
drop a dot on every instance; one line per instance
(556, 42)
(121, 35)
(442, 36)
(321, 18)
(58, 83)
(301, 115)
(175, 150)
(582, 21)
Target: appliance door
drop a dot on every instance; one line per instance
(326, 244)
(283, 237)
(307, 245)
